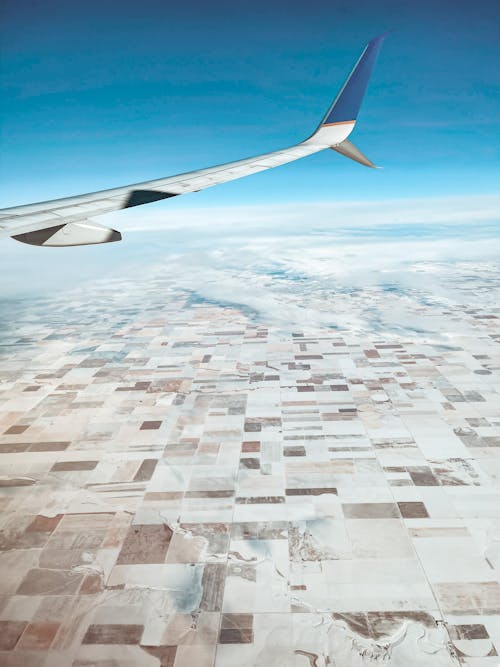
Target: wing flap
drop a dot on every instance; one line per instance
(71, 234)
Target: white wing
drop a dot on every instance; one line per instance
(64, 222)
(43, 223)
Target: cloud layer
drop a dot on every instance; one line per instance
(390, 266)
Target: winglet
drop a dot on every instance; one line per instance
(341, 116)
(346, 105)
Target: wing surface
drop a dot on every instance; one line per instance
(33, 217)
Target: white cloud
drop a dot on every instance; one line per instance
(348, 281)
(436, 210)
(364, 267)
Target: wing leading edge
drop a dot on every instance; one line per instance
(64, 222)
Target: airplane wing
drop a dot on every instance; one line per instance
(65, 222)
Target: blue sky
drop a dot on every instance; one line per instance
(99, 94)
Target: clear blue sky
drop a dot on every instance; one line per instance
(99, 94)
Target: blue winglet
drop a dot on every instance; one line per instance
(346, 105)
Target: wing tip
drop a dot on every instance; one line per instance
(380, 38)
(346, 105)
